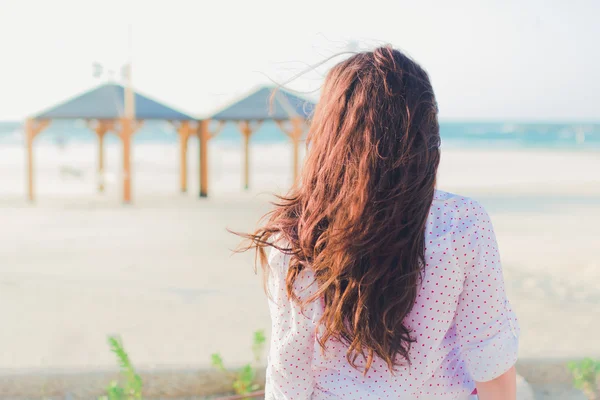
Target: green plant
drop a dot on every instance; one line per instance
(258, 345)
(586, 373)
(132, 388)
(244, 382)
(243, 378)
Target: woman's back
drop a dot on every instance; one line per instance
(372, 270)
(464, 327)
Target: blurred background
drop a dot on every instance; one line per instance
(518, 87)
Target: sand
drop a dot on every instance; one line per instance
(78, 266)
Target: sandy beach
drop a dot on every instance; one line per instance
(78, 266)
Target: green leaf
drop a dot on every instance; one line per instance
(244, 380)
(244, 377)
(585, 373)
(258, 344)
(217, 361)
(133, 382)
(115, 392)
(259, 337)
(247, 373)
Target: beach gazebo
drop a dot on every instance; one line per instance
(103, 109)
(268, 103)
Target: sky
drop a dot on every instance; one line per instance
(528, 60)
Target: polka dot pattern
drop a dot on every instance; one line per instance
(464, 327)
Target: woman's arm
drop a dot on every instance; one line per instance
(289, 370)
(485, 322)
(503, 387)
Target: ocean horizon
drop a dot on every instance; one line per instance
(487, 135)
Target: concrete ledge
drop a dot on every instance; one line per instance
(537, 371)
(182, 383)
(89, 385)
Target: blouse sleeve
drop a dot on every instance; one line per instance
(289, 374)
(486, 324)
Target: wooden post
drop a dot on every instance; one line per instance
(101, 162)
(184, 135)
(295, 135)
(246, 133)
(126, 138)
(29, 141)
(203, 136)
(101, 130)
(32, 129)
(128, 127)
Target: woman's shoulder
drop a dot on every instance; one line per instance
(458, 213)
(279, 258)
(456, 203)
(278, 264)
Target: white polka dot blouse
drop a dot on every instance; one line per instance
(463, 324)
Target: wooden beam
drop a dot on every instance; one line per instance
(296, 136)
(284, 128)
(295, 159)
(126, 134)
(137, 124)
(203, 137)
(295, 133)
(29, 143)
(246, 130)
(32, 129)
(101, 162)
(184, 131)
(91, 124)
(256, 126)
(102, 127)
(217, 130)
(127, 129)
(39, 126)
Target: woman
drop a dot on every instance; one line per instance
(380, 286)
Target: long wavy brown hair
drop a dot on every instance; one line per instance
(357, 217)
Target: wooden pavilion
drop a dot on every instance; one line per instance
(103, 109)
(290, 112)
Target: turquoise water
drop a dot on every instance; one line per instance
(454, 134)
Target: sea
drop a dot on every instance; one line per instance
(455, 134)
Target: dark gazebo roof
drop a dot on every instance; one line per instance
(107, 101)
(258, 106)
